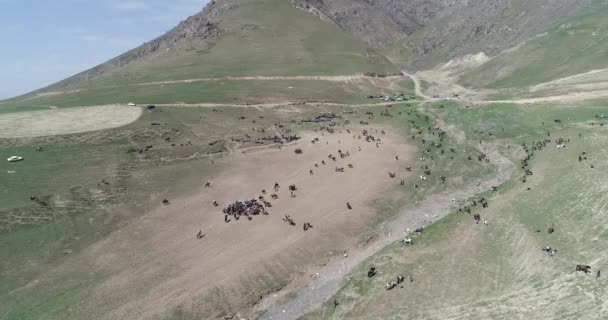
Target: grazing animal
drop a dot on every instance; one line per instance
(400, 279)
(289, 220)
(407, 241)
(349, 206)
(307, 226)
(200, 235)
(583, 267)
(371, 272)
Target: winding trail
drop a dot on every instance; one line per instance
(283, 104)
(343, 78)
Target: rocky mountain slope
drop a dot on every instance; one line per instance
(331, 37)
(421, 33)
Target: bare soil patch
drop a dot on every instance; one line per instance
(63, 121)
(158, 257)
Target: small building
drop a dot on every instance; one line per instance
(131, 104)
(14, 159)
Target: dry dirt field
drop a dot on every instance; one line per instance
(63, 121)
(158, 257)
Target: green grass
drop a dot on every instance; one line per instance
(235, 91)
(578, 44)
(516, 122)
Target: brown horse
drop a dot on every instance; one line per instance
(583, 267)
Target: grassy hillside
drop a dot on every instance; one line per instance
(230, 91)
(261, 37)
(576, 45)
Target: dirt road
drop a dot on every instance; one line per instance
(342, 78)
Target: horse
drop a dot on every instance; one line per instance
(371, 272)
(400, 278)
(307, 226)
(583, 267)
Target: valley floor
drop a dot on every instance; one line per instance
(153, 266)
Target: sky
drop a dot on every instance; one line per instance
(44, 41)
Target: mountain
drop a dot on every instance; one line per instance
(422, 33)
(238, 38)
(249, 38)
